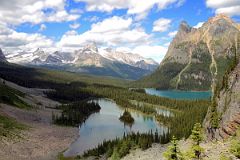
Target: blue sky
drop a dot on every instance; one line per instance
(138, 26)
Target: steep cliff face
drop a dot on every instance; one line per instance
(196, 57)
(226, 119)
(2, 57)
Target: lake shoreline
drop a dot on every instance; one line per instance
(108, 118)
(179, 94)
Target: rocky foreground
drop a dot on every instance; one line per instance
(42, 140)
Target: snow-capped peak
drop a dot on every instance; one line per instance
(125, 57)
(90, 48)
(87, 55)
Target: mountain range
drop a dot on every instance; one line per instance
(197, 57)
(91, 60)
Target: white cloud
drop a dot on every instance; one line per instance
(151, 51)
(107, 33)
(229, 7)
(12, 41)
(172, 34)
(112, 24)
(161, 25)
(15, 12)
(92, 19)
(42, 27)
(198, 25)
(138, 7)
(74, 26)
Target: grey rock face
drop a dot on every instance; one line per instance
(2, 57)
(228, 108)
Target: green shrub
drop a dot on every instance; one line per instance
(235, 148)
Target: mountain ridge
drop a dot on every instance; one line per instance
(89, 59)
(197, 57)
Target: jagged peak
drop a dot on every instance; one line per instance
(91, 46)
(220, 17)
(38, 50)
(185, 27)
(2, 56)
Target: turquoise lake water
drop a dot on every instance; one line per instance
(174, 94)
(105, 125)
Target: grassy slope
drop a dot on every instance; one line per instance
(35, 75)
(161, 77)
(11, 96)
(9, 127)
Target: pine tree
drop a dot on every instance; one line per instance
(115, 155)
(173, 152)
(196, 137)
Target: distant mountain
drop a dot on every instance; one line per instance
(129, 58)
(89, 59)
(197, 57)
(2, 56)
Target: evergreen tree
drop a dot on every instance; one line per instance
(173, 152)
(196, 137)
(115, 155)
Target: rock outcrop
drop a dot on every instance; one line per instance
(228, 109)
(2, 56)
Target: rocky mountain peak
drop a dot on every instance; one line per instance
(220, 17)
(184, 27)
(183, 30)
(90, 48)
(38, 51)
(195, 55)
(2, 57)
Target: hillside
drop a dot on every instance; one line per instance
(37, 76)
(196, 57)
(223, 118)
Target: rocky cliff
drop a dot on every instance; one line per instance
(223, 117)
(196, 57)
(2, 57)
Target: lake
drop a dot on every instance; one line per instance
(105, 125)
(175, 94)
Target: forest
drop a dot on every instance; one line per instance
(118, 148)
(76, 113)
(77, 97)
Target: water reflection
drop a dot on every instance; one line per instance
(106, 125)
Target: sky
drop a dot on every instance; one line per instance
(145, 27)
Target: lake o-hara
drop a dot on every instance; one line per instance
(119, 80)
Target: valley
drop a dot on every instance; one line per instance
(81, 90)
(95, 103)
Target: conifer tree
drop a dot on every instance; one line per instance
(173, 152)
(196, 137)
